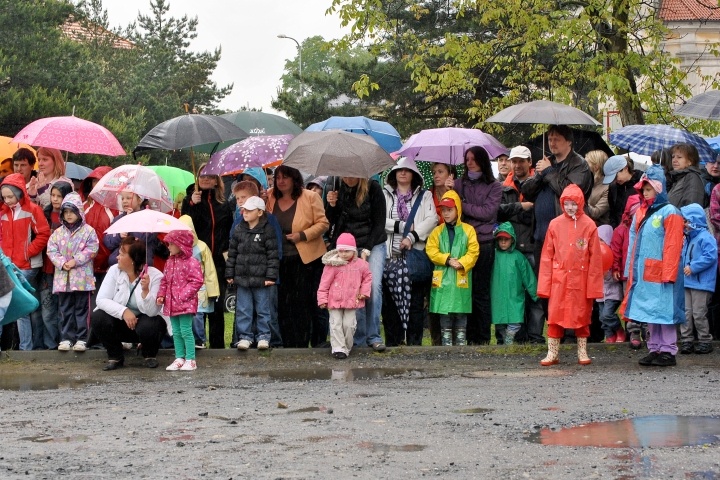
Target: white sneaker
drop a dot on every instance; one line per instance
(80, 346)
(263, 345)
(189, 366)
(243, 344)
(65, 346)
(126, 346)
(176, 365)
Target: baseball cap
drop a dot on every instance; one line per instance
(254, 203)
(520, 152)
(612, 166)
(503, 234)
(447, 202)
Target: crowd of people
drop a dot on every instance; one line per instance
(567, 249)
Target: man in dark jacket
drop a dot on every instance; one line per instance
(514, 208)
(620, 174)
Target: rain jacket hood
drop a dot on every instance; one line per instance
(98, 173)
(183, 239)
(507, 228)
(258, 174)
(695, 217)
(451, 194)
(18, 181)
(633, 202)
(573, 193)
(187, 220)
(73, 202)
(409, 164)
(654, 175)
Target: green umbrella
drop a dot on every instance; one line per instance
(256, 124)
(176, 179)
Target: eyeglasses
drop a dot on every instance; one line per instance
(208, 177)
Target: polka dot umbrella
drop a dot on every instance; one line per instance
(71, 134)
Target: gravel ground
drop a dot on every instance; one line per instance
(408, 413)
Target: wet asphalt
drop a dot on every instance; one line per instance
(413, 412)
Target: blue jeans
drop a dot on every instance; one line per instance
(368, 318)
(33, 322)
(249, 300)
(198, 326)
(49, 311)
(608, 317)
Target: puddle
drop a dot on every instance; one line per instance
(650, 431)
(340, 375)
(473, 410)
(382, 447)
(48, 439)
(39, 381)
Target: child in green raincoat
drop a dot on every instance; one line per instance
(512, 276)
(453, 249)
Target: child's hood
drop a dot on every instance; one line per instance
(187, 220)
(452, 194)
(333, 259)
(633, 203)
(695, 217)
(507, 228)
(258, 174)
(573, 193)
(605, 232)
(73, 202)
(655, 175)
(183, 239)
(17, 180)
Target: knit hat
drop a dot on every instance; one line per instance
(346, 242)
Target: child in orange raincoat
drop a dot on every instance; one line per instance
(570, 274)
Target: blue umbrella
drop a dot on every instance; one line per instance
(646, 139)
(382, 132)
(714, 143)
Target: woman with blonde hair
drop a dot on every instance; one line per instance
(51, 167)
(598, 207)
(212, 216)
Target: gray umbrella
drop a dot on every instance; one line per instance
(190, 130)
(75, 171)
(705, 106)
(543, 111)
(336, 152)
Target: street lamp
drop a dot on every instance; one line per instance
(299, 59)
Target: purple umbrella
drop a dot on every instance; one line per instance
(251, 152)
(448, 145)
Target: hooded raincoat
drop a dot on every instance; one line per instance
(76, 241)
(700, 252)
(452, 289)
(183, 277)
(512, 276)
(571, 265)
(655, 291)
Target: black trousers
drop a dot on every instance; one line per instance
(112, 331)
(479, 321)
(297, 302)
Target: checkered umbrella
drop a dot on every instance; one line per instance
(646, 139)
(705, 106)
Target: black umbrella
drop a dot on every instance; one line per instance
(583, 142)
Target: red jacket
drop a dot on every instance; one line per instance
(25, 232)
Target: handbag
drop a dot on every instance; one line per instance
(23, 302)
(420, 268)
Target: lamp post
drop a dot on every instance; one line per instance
(299, 60)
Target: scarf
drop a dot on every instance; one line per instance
(403, 203)
(473, 175)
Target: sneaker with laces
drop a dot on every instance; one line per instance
(176, 365)
(263, 345)
(648, 359)
(703, 348)
(243, 344)
(189, 366)
(65, 346)
(80, 346)
(687, 348)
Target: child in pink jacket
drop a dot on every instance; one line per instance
(345, 284)
(178, 292)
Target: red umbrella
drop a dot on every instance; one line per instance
(71, 134)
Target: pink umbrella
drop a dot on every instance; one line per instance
(147, 221)
(71, 134)
(448, 145)
(132, 178)
(251, 152)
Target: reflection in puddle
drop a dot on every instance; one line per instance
(382, 447)
(48, 439)
(38, 381)
(341, 375)
(651, 431)
(473, 410)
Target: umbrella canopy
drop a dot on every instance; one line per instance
(647, 139)
(8, 147)
(251, 152)
(583, 142)
(384, 134)
(190, 130)
(448, 145)
(543, 111)
(132, 178)
(71, 134)
(714, 143)
(256, 124)
(147, 221)
(337, 152)
(176, 179)
(75, 171)
(705, 106)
